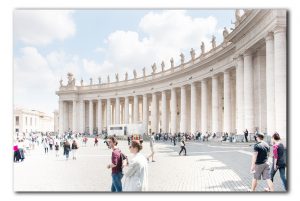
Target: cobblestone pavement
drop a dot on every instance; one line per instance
(208, 167)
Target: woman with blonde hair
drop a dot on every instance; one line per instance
(136, 177)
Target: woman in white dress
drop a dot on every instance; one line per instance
(136, 176)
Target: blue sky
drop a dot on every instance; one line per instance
(93, 43)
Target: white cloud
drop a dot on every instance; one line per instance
(167, 34)
(41, 27)
(36, 77)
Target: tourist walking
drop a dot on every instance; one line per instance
(67, 149)
(260, 166)
(56, 146)
(51, 142)
(136, 176)
(96, 141)
(246, 135)
(278, 159)
(46, 145)
(74, 149)
(128, 139)
(115, 165)
(151, 148)
(182, 144)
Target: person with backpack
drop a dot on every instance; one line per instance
(136, 177)
(56, 149)
(96, 141)
(116, 165)
(67, 149)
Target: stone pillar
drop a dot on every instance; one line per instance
(74, 117)
(81, 116)
(204, 106)
(117, 109)
(135, 109)
(66, 116)
(173, 107)
(145, 112)
(91, 118)
(193, 108)
(108, 113)
(61, 117)
(215, 104)
(240, 95)
(100, 116)
(154, 119)
(248, 93)
(183, 109)
(164, 112)
(227, 102)
(280, 79)
(126, 110)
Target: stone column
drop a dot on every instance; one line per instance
(66, 116)
(204, 106)
(173, 107)
(183, 109)
(126, 110)
(248, 93)
(154, 113)
(91, 118)
(117, 109)
(61, 117)
(135, 109)
(74, 117)
(193, 108)
(100, 116)
(215, 104)
(280, 79)
(81, 116)
(108, 113)
(164, 112)
(227, 102)
(240, 95)
(145, 112)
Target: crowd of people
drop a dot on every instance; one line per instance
(135, 171)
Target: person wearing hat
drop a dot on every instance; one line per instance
(260, 166)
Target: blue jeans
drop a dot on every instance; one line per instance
(116, 182)
(282, 175)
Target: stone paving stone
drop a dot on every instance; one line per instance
(208, 167)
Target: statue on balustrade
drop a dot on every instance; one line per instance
(213, 42)
(162, 66)
(153, 68)
(134, 74)
(108, 80)
(192, 52)
(61, 82)
(91, 81)
(81, 82)
(126, 76)
(117, 77)
(202, 48)
(182, 58)
(99, 79)
(172, 62)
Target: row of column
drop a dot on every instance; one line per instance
(275, 98)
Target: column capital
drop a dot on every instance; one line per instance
(227, 72)
(248, 53)
(279, 29)
(269, 36)
(215, 76)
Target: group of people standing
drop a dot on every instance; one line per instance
(136, 175)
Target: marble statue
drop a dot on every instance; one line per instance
(237, 16)
(134, 74)
(162, 66)
(99, 79)
(202, 48)
(126, 76)
(182, 58)
(91, 81)
(108, 80)
(193, 54)
(153, 68)
(117, 77)
(172, 62)
(225, 33)
(144, 72)
(81, 82)
(213, 42)
(61, 82)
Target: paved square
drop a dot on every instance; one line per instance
(208, 167)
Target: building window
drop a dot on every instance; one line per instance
(17, 121)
